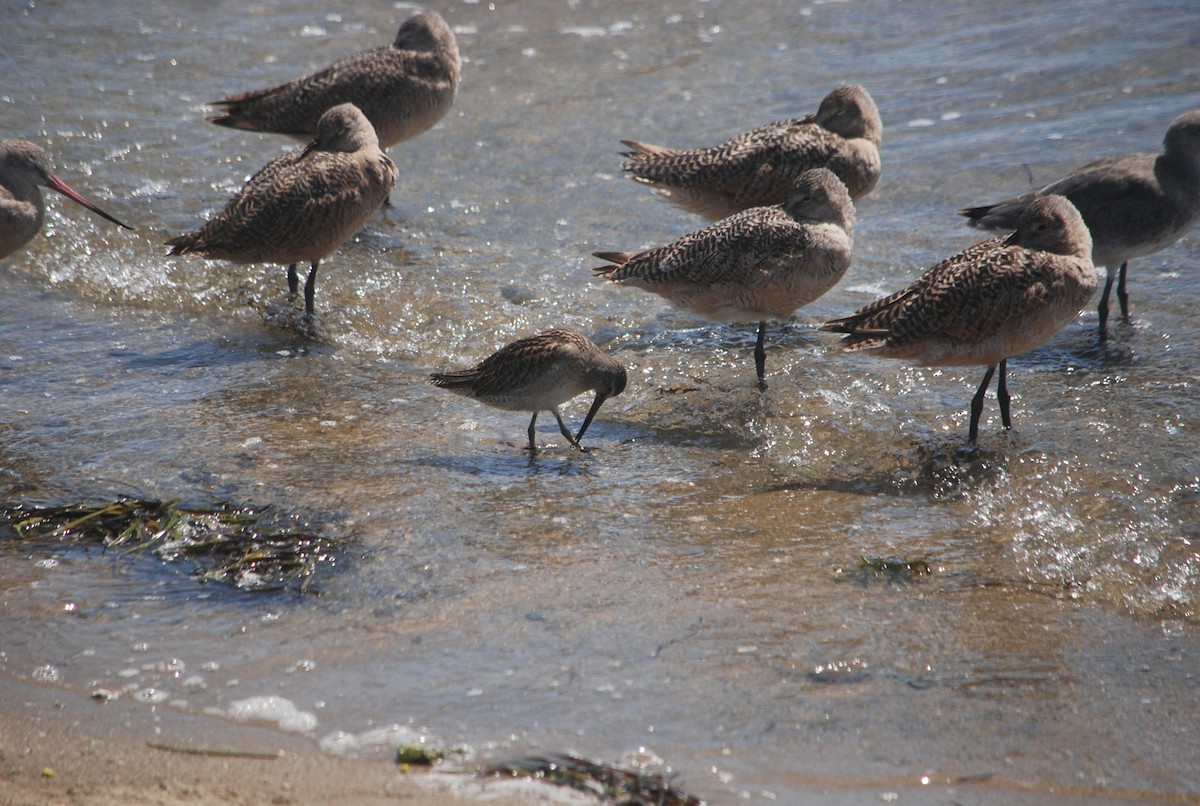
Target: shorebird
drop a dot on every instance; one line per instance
(758, 168)
(303, 205)
(23, 169)
(993, 300)
(540, 373)
(759, 264)
(403, 88)
(1134, 204)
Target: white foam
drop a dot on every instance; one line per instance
(273, 708)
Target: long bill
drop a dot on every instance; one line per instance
(600, 398)
(54, 183)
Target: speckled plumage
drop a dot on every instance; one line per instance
(759, 264)
(1133, 205)
(993, 300)
(758, 168)
(303, 205)
(403, 88)
(540, 373)
(24, 168)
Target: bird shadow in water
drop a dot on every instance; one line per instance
(513, 461)
(936, 468)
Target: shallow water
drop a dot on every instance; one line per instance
(687, 595)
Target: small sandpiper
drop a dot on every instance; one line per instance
(540, 373)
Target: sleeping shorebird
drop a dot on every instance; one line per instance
(760, 264)
(539, 373)
(403, 88)
(303, 205)
(1133, 205)
(23, 169)
(993, 300)
(758, 168)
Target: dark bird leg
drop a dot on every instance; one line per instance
(293, 279)
(588, 420)
(1002, 395)
(310, 288)
(760, 356)
(1102, 308)
(1121, 295)
(532, 423)
(977, 404)
(566, 432)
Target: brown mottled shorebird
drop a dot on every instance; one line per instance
(303, 205)
(993, 300)
(1134, 204)
(539, 373)
(759, 264)
(758, 168)
(403, 88)
(23, 169)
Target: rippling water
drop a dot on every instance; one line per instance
(690, 587)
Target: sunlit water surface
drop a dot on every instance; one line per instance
(687, 594)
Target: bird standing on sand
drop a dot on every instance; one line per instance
(1133, 205)
(403, 88)
(23, 169)
(993, 300)
(303, 205)
(760, 264)
(758, 168)
(539, 373)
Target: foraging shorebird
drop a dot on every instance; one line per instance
(403, 88)
(759, 264)
(758, 168)
(1133, 205)
(993, 300)
(303, 205)
(23, 169)
(539, 373)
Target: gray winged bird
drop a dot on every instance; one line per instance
(1133, 205)
(403, 88)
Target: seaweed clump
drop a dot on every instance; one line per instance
(233, 545)
(609, 783)
(888, 569)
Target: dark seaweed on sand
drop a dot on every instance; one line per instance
(610, 784)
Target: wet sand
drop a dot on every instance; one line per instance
(61, 747)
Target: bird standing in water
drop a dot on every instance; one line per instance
(993, 300)
(540, 373)
(1133, 205)
(760, 264)
(758, 168)
(303, 205)
(403, 88)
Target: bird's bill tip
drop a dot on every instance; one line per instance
(596, 404)
(56, 184)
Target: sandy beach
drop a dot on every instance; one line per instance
(61, 747)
